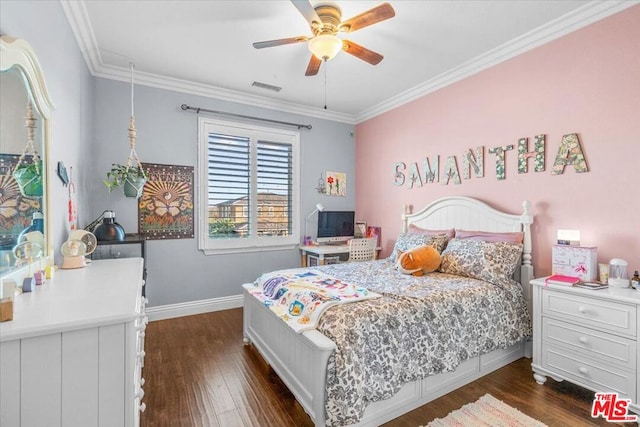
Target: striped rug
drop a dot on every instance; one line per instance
(486, 411)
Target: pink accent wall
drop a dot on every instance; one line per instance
(587, 82)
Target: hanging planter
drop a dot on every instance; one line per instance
(28, 170)
(133, 186)
(131, 176)
(29, 179)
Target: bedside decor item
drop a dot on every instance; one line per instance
(603, 269)
(575, 261)
(569, 237)
(635, 280)
(361, 229)
(618, 273)
(561, 279)
(131, 175)
(165, 209)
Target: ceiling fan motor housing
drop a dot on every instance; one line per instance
(331, 15)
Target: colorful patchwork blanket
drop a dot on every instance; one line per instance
(299, 297)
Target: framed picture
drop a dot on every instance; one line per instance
(375, 232)
(165, 210)
(361, 229)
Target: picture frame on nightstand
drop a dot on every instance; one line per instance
(360, 231)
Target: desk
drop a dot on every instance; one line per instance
(319, 251)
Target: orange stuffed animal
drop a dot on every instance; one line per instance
(418, 261)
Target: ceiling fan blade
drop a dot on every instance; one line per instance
(313, 67)
(370, 17)
(363, 53)
(279, 42)
(306, 9)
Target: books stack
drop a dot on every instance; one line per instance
(562, 280)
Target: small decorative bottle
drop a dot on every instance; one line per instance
(635, 281)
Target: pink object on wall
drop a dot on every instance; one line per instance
(587, 82)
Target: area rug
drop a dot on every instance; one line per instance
(486, 411)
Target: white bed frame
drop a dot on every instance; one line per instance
(301, 359)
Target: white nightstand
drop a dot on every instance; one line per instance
(587, 337)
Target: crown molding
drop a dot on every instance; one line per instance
(591, 12)
(78, 18)
(579, 18)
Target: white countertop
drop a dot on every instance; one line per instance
(629, 295)
(104, 292)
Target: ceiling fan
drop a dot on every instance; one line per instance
(325, 22)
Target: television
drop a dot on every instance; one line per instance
(335, 226)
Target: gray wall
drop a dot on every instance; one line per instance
(44, 25)
(178, 271)
(89, 133)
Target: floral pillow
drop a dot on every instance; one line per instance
(408, 241)
(489, 261)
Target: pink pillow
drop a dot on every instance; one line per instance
(414, 229)
(491, 236)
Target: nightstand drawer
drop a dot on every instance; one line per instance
(608, 316)
(608, 348)
(588, 374)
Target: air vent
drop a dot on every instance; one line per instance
(266, 86)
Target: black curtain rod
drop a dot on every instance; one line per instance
(185, 107)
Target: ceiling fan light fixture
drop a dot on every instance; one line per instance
(325, 46)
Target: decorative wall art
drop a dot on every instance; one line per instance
(336, 183)
(165, 209)
(16, 210)
(570, 152)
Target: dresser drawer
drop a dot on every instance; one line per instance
(605, 347)
(592, 375)
(607, 316)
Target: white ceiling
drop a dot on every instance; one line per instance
(205, 47)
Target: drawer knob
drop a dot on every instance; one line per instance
(142, 381)
(583, 370)
(140, 394)
(582, 309)
(143, 406)
(583, 340)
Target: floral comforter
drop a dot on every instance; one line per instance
(419, 327)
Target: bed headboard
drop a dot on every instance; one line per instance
(471, 214)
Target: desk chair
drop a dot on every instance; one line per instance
(362, 249)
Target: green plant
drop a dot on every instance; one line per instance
(119, 174)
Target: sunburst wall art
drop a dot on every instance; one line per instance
(165, 209)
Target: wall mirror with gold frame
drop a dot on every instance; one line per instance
(25, 129)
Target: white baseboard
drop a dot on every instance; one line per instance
(170, 311)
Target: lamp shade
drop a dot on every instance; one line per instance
(325, 46)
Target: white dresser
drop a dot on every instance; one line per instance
(73, 354)
(588, 337)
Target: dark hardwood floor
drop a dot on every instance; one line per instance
(199, 373)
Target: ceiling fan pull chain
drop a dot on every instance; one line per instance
(325, 83)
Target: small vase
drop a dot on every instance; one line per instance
(133, 187)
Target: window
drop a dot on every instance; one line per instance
(249, 189)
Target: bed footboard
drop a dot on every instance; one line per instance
(300, 360)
